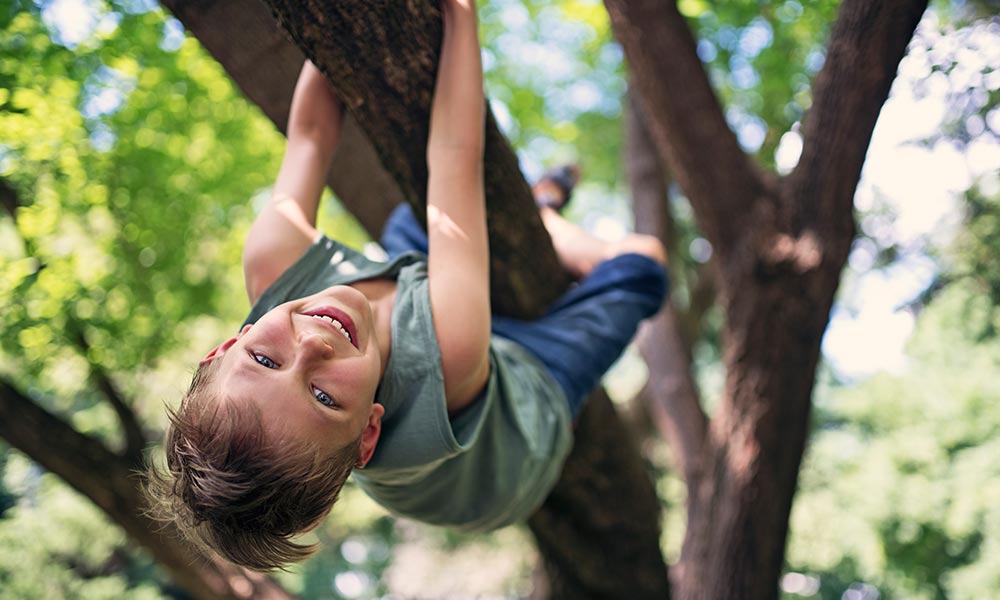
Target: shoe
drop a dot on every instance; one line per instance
(555, 187)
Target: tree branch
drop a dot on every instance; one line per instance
(590, 514)
(9, 199)
(55, 445)
(690, 130)
(109, 481)
(135, 439)
(670, 393)
(867, 43)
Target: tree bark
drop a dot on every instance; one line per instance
(109, 481)
(615, 532)
(670, 394)
(598, 531)
(781, 246)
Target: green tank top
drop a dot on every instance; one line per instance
(490, 466)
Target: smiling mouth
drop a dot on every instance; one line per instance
(338, 321)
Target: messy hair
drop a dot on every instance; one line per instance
(231, 489)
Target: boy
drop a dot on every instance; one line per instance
(391, 368)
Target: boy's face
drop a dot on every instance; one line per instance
(311, 366)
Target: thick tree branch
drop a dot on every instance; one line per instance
(55, 445)
(867, 43)
(593, 532)
(690, 130)
(671, 393)
(780, 248)
(381, 59)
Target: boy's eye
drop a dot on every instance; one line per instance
(264, 360)
(323, 398)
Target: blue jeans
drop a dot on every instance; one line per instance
(587, 328)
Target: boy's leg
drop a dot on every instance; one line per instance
(580, 252)
(402, 232)
(588, 328)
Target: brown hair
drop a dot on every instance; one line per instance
(231, 489)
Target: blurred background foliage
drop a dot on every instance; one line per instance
(130, 170)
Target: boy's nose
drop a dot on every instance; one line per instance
(313, 345)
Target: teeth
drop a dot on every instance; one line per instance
(335, 323)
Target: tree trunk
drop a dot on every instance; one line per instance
(109, 481)
(780, 247)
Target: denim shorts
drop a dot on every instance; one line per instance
(586, 329)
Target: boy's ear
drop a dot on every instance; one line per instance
(369, 437)
(221, 348)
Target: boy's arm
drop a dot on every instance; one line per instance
(286, 227)
(458, 254)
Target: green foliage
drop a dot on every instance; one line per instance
(132, 158)
(556, 70)
(133, 164)
(975, 265)
(912, 460)
(555, 78)
(900, 487)
(762, 57)
(57, 545)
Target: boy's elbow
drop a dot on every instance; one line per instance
(466, 367)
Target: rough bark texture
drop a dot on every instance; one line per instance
(600, 539)
(109, 480)
(615, 551)
(780, 247)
